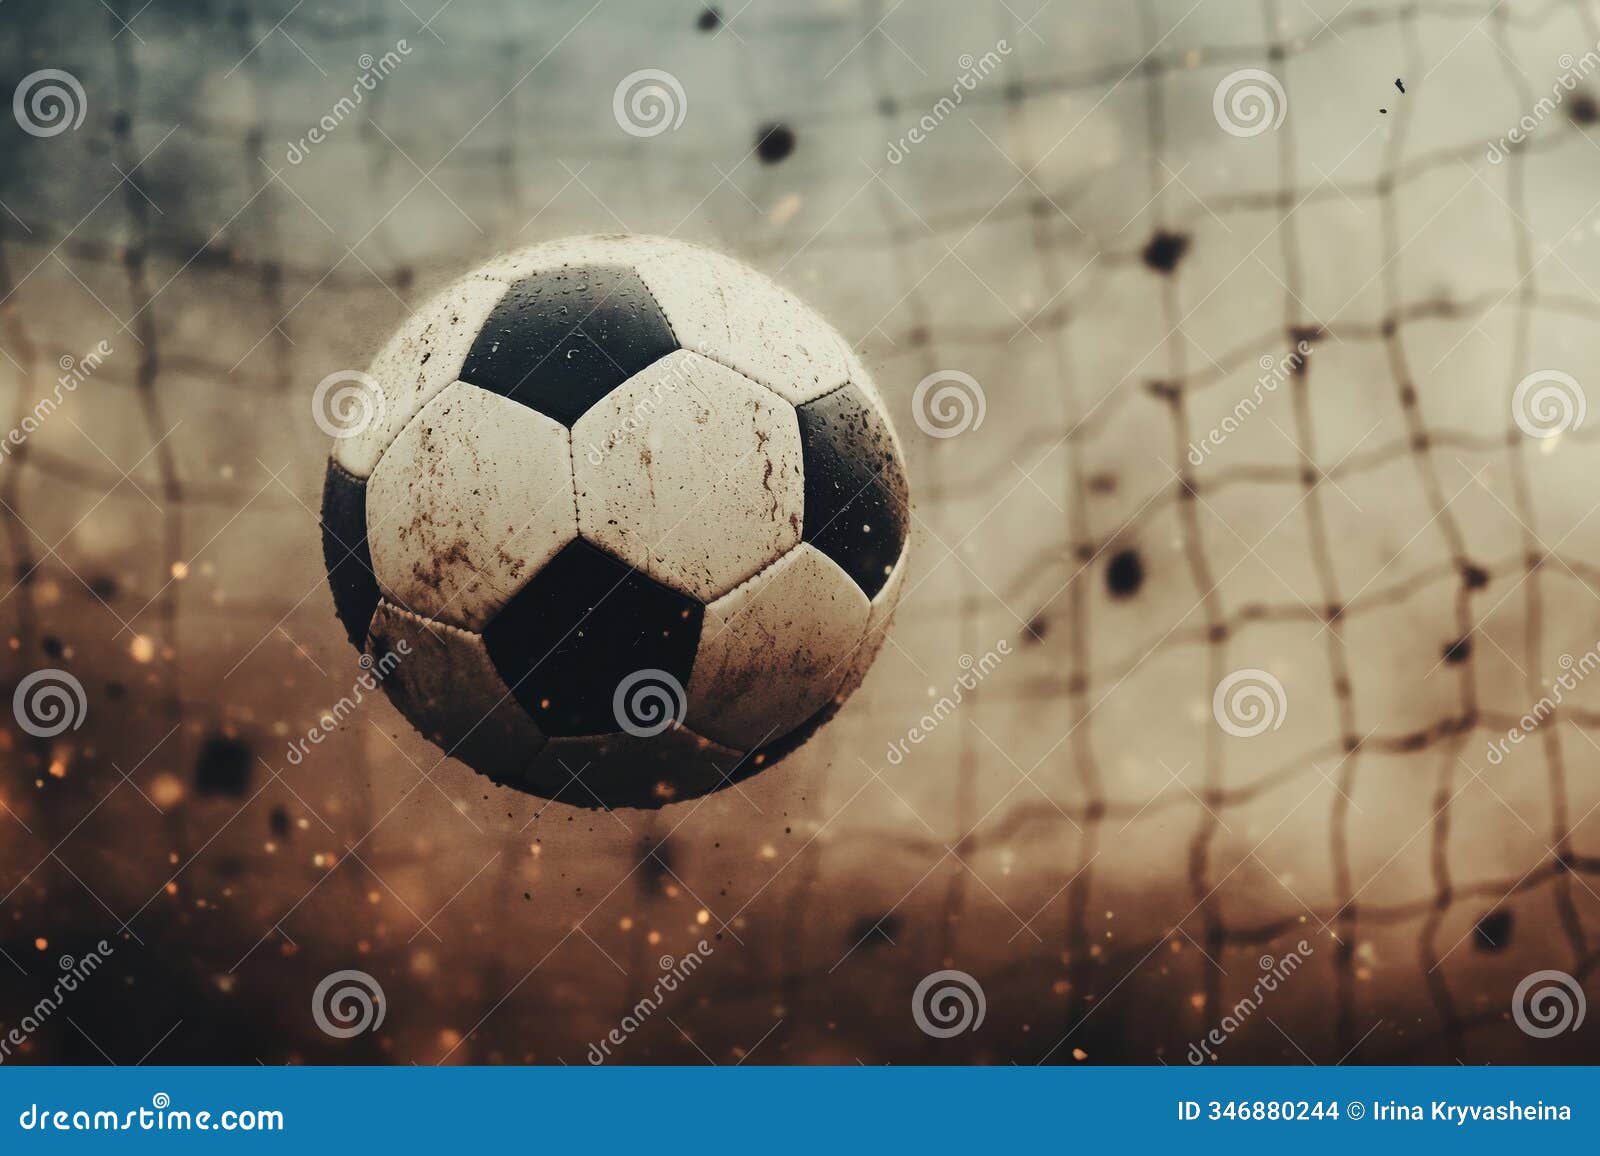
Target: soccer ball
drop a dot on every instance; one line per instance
(619, 521)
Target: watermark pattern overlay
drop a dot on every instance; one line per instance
(649, 102)
(373, 69)
(160, 1116)
(948, 403)
(1249, 702)
(948, 1003)
(1573, 70)
(373, 674)
(930, 193)
(1547, 403)
(1249, 102)
(973, 70)
(74, 372)
(49, 102)
(649, 702)
(349, 1003)
(74, 973)
(1273, 973)
(674, 972)
(1548, 1003)
(49, 702)
(347, 402)
(1274, 372)
(1574, 672)
(677, 377)
(974, 671)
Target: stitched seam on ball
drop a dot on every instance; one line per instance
(405, 425)
(335, 464)
(845, 384)
(672, 330)
(842, 666)
(577, 513)
(769, 388)
(423, 620)
(753, 577)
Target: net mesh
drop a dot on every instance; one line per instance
(1247, 407)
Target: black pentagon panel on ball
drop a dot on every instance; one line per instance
(561, 339)
(582, 626)
(857, 502)
(344, 550)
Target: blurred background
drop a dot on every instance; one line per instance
(1063, 201)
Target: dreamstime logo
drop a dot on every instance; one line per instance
(345, 403)
(948, 1003)
(974, 671)
(155, 1118)
(1249, 702)
(647, 702)
(1572, 71)
(373, 69)
(1273, 973)
(947, 403)
(1249, 102)
(973, 69)
(1547, 403)
(649, 102)
(48, 703)
(1574, 671)
(74, 972)
(49, 102)
(1548, 1003)
(1274, 372)
(74, 372)
(372, 674)
(348, 1003)
(677, 375)
(674, 973)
